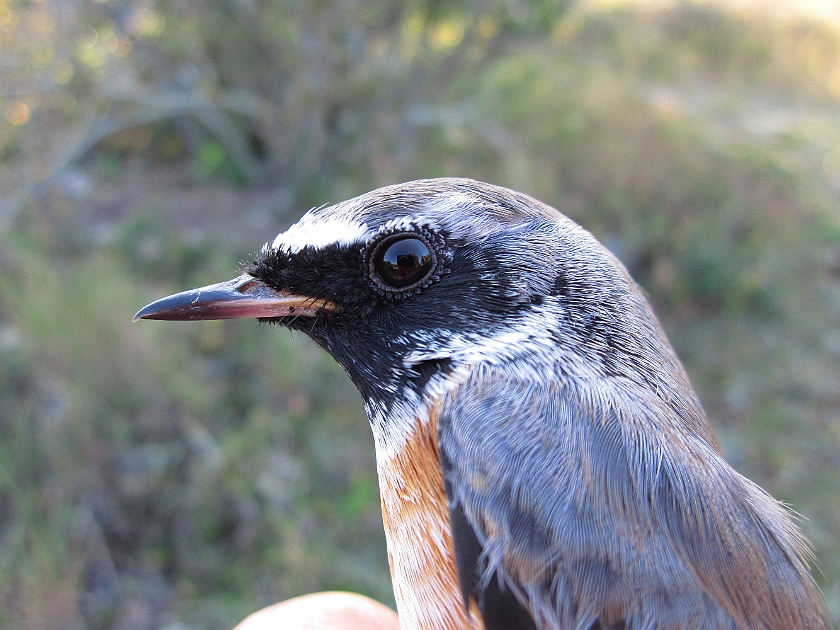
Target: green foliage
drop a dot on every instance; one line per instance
(187, 474)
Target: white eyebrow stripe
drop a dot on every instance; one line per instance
(318, 232)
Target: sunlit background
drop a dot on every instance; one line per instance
(160, 475)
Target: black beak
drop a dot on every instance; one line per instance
(244, 296)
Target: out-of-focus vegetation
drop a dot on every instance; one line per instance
(167, 475)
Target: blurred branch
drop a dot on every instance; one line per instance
(214, 116)
(74, 150)
(155, 107)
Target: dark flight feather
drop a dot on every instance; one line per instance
(500, 610)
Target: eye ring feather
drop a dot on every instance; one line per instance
(400, 263)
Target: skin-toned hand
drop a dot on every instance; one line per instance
(323, 611)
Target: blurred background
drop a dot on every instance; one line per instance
(179, 476)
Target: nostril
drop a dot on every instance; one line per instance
(248, 287)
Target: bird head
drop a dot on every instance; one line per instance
(409, 284)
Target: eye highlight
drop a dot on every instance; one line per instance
(402, 261)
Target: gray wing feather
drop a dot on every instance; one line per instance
(598, 509)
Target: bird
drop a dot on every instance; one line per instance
(543, 460)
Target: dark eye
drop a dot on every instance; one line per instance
(401, 261)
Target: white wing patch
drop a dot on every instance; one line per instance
(319, 232)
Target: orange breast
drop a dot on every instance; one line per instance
(417, 528)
